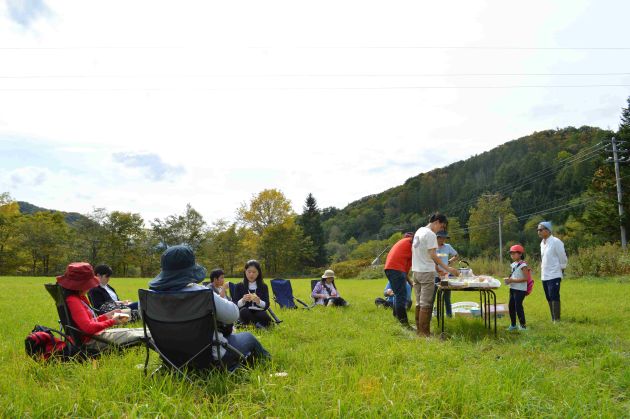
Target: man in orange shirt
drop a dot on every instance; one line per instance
(397, 266)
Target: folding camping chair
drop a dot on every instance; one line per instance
(283, 294)
(70, 330)
(183, 330)
(313, 283)
(232, 287)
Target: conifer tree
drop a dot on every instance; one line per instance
(624, 126)
(312, 226)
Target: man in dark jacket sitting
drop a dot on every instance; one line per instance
(104, 297)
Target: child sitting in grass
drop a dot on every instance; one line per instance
(518, 287)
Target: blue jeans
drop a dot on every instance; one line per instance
(398, 281)
(552, 289)
(248, 345)
(446, 294)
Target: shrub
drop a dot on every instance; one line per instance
(605, 260)
(372, 272)
(349, 268)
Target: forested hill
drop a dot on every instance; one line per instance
(70, 217)
(538, 172)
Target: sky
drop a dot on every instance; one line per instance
(145, 106)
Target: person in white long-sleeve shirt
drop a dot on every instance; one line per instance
(554, 261)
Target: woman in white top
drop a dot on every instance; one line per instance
(252, 296)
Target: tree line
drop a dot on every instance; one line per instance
(43, 242)
(560, 175)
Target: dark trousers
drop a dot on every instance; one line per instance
(516, 306)
(552, 289)
(446, 294)
(248, 316)
(398, 281)
(248, 345)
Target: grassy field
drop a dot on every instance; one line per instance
(352, 362)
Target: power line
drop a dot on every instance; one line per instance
(551, 210)
(420, 47)
(584, 155)
(135, 76)
(160, 89)
(455, 47)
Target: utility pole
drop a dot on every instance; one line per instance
(500, 241)
(619, 192)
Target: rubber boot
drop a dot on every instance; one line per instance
(556, 310)
(425, 322)
(551, 310)
(418, 321)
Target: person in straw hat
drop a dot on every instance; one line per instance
(325, 292)
(78, 279)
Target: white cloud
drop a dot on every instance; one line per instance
(211, 102)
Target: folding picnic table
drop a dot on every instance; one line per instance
(487, 299)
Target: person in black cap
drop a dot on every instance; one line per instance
(180, 272)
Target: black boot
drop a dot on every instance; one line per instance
(551, 310)
(556, 310)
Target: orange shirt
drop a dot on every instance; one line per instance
(399, 257)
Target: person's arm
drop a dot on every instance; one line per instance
(83, 319)
(388, 289)
(525, 270)
(439, 262)
(562, 255)
(262, 295)
(317, 291)
(239, 293)
(227, 312)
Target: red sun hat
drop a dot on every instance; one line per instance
(79, 276)
(517, 248)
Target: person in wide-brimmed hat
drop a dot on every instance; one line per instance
(180, 272)
(76, 281)
(179, 268)
(325, 292)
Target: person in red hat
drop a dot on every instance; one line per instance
(78, 279)
(518, 287)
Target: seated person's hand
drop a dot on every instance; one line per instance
(110, 314)
(390, 292)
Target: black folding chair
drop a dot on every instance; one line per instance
(283, 294)
(232, 287)
(70, 329)
(183, 330)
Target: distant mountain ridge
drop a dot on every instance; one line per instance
(70, 217)
(530, 170)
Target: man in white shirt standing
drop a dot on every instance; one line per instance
(554, 261)
(423, 261)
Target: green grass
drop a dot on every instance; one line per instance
(352, 362)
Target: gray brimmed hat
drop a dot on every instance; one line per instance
(179, 269)
(442, 233)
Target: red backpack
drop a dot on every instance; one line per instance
(530, 280)
(42, 344)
